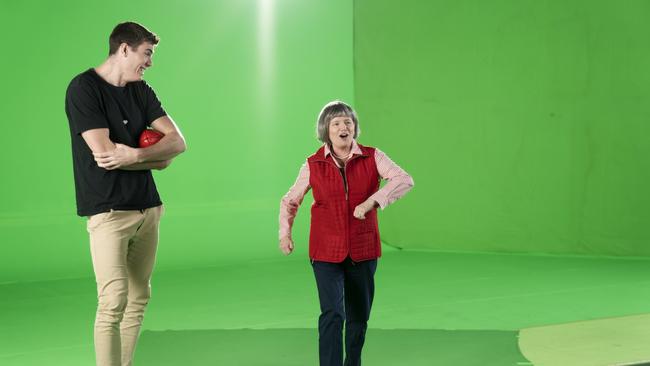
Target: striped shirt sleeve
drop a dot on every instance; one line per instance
(292, 200)
(398, 182)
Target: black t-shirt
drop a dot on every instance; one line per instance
(91, 102)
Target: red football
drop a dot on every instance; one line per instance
(150, 137)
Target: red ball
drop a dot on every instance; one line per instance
(150, 137)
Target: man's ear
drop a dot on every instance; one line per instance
(123, 50)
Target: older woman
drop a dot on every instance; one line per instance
(344, 238)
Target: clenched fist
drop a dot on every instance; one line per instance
(286, 245)
(361, 210)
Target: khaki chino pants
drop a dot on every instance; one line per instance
(123, 248)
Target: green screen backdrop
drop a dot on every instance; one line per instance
(244, 80)
(524, 123)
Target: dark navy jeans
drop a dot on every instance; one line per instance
(345, 291)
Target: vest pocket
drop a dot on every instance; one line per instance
(367, 225)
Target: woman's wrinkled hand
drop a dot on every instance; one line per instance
(361, 210)
(286, 245)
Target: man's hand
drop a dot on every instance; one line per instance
(286, 245)
(121, 156)
(361, 210)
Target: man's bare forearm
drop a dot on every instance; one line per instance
(150, 165)
(167, 148)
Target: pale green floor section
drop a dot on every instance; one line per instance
(468, 308)
(602, 342)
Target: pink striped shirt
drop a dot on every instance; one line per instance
(398, 184)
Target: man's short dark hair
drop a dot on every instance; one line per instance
(131, 33)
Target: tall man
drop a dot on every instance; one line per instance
(108, 107)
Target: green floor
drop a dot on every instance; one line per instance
(430, 309)
(600, 342)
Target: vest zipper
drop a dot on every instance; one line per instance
(344, 175)
(345, 186)
(345, 181)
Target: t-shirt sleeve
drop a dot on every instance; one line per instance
(83, 109)
(153, 107)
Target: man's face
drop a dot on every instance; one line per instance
(137, 61)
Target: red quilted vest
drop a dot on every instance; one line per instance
(335, 233)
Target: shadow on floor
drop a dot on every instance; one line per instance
(298, 347)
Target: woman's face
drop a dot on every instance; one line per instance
(341, 131)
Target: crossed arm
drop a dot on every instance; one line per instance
(110, 155)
